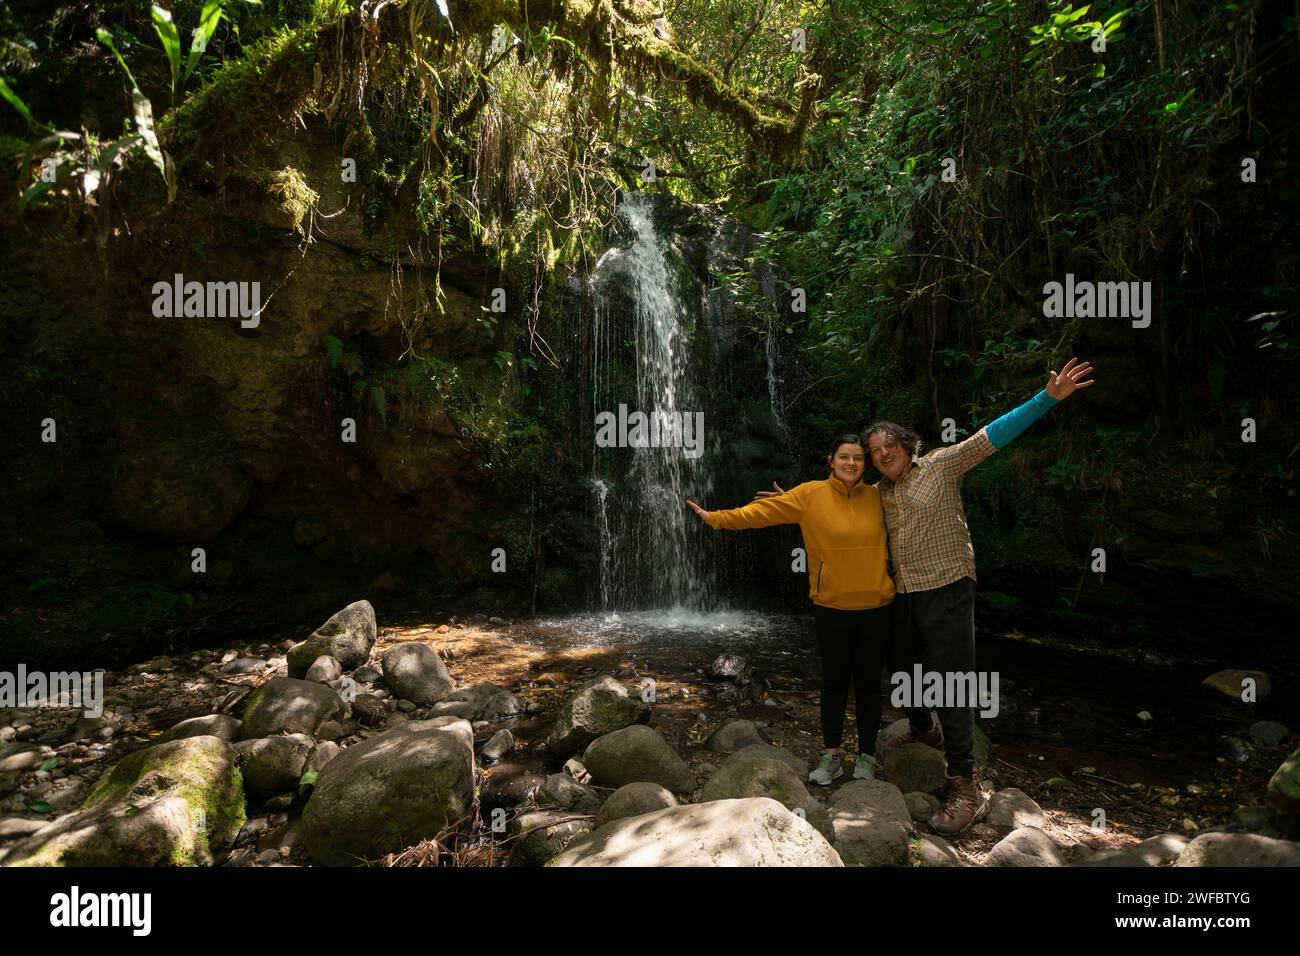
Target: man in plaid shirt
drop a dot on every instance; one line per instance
(934, 572)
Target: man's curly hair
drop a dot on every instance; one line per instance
(897, 434)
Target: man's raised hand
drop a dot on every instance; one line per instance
(1069, 380)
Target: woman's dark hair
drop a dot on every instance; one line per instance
(848, 440)
(893, 432)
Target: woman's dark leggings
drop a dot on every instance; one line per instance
(853, 647)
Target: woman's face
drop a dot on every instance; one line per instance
(848, 463)
(887, 456)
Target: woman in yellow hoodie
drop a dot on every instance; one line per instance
(843, 530)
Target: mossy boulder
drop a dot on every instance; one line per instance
(172, 804)
(347, 636)
(286, 705)
(391, 791)
(541, 835)
(1284, 793)
(634, 754)
(273, 765)
(598, 707)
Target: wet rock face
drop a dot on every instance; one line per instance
(167, 491)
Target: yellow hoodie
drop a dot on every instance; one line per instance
(843, 531)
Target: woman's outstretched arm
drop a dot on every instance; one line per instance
(781, 509)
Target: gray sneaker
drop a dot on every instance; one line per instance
(829, 769)
(867, 767)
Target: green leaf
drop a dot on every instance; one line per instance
(309, 778)
(63, 168)
(171, 41)
(142, 111)
(333, 350)
(123, 145)
(51, 764)
(14, 100)
(39, 806)
(1059, 782)
(209, 20)
(106, 38)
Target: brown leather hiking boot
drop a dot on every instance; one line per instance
(932, 737)
(966, 804)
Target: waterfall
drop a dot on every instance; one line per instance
(651, 551)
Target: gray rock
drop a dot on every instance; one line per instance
(800, 767)
(1011, 809)
(934, 850)
(561, 790)
(416, 673)
(922, 806)
(1112, 857)
(1269, 733)
(272, 765)
(597, 707)
(751, 773)
(66, 798)
(324, 669)
(1257, 819)
(757, 831)
(323, 754)
(391, 791)
(872, 823)
(632, 800)
(287, 705)
(15, 828)
(187, 800)
(1238, 849)
(733, 736)
(347, 636)
(1160, 849)
(1284, 793)
(222, 726)
(729, 667)
(633, 754)
(498, 745)
(543, 835)
(1228, 683)
(481, 701)
(369, 710)
(1028, 846)
(19, 757)
(366, 675)
(916, 767)
(244, 665)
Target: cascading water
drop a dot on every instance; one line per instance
(651, 556)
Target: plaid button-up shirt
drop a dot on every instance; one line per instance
(929, 542)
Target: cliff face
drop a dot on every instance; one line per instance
(183, 432)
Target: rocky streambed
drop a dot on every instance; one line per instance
(485, 742)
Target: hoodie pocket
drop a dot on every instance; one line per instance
(853, 578)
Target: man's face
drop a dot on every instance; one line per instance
(887, 456)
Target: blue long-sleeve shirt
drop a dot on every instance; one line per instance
(1002, 431)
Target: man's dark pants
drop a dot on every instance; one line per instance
(937, 628)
